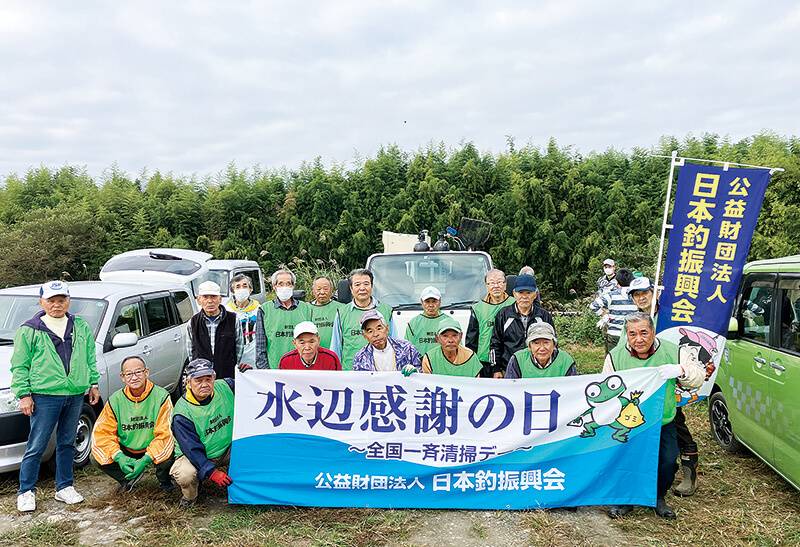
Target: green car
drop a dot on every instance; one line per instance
(754, 402)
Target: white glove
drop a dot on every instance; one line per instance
(408, 370)
(668, 372)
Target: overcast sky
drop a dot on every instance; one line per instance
(190, 86)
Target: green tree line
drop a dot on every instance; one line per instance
(552, 208)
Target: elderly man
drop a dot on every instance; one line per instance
(214, 332)
(276, 321)
(324, 309)
(133, 430)
(511, 324)
(449, 357)
(347, 336)
(608, 281)
(644, 349)
(202, 425)
(246, 310)
(542, 358)
(421, 330)
(613, 306)
(307, 353)
(53, 364)
(384, 353)
(481, 319)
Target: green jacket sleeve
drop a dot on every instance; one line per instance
(21, 362)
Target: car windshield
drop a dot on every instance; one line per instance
(220, 277)
(153, 262)
(16, 309)
(399, 279)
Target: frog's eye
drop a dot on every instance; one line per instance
(614, 382)
(593, 390)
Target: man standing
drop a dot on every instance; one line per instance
(214, 332)
(421, 331)
(644, 349)
(53, 364)
(608, 281)
(324, 309)
(449, 357)
(276, 321)
(307, 353)
(511, 324)
(202, 425)
(542, 358)
(613, 306)
(246, 310)
(347, 338)
(384, 353)
(134, 429)
(481, 319)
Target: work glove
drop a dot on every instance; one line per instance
(668, 372)
(138, 468)
(126, 463)
(220, 477)
(408, 370)
(243, 367)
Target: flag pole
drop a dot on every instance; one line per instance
(664, 227)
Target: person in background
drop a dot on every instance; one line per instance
(384, 353)
(214, 332)
(133, 430)
(608, 281)
(481, 319)
(53, 364)
(421, 330)
(612, 307)
(323, 309)
(541, 358)
(307, 353)
(246, 310)
(449, 357)
(276, 321)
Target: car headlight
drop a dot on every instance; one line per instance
(8, 402)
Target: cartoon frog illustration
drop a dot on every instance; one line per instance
(609, 407)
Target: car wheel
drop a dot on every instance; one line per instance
(720, 422)
(179, 386)
(83, 441)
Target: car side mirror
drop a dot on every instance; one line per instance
(124, 340)
(733, 327)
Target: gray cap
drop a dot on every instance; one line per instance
(200, 367)
(369, 315)
(540, 330)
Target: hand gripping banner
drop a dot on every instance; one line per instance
(713, 220)
(358, 439)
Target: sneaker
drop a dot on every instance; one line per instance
(69, 496)
(187, 502)
(127, 486)
(26, 501)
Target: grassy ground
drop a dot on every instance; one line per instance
(740, 502)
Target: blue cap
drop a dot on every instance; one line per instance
(525, 283)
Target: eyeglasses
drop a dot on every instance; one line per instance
(127, 375)
(495, 283)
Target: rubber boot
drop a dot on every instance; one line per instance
(688, 485)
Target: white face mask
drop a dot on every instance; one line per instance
(284, 293)
(608, 271)
(241, 295)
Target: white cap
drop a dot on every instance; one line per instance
(305, 327)
(430, 292)
(208, 288)
(53, 288)
(640, 284)
(608, 262)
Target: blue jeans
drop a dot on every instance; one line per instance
(49, 411)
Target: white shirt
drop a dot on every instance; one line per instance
(56, 324)
(384, 358)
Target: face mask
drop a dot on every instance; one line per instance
(241, 295)
(284, 293)
(608, 271)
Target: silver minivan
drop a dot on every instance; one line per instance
(126, 319)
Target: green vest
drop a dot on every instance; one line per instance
(279, 324)
(421, 331)
(350, 321)
(559, 367)
(666, 354)
(440, 364)
(485, 313)
(213, 422)
(323, 317)
(136, 421)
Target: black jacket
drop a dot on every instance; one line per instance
(509, 332)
